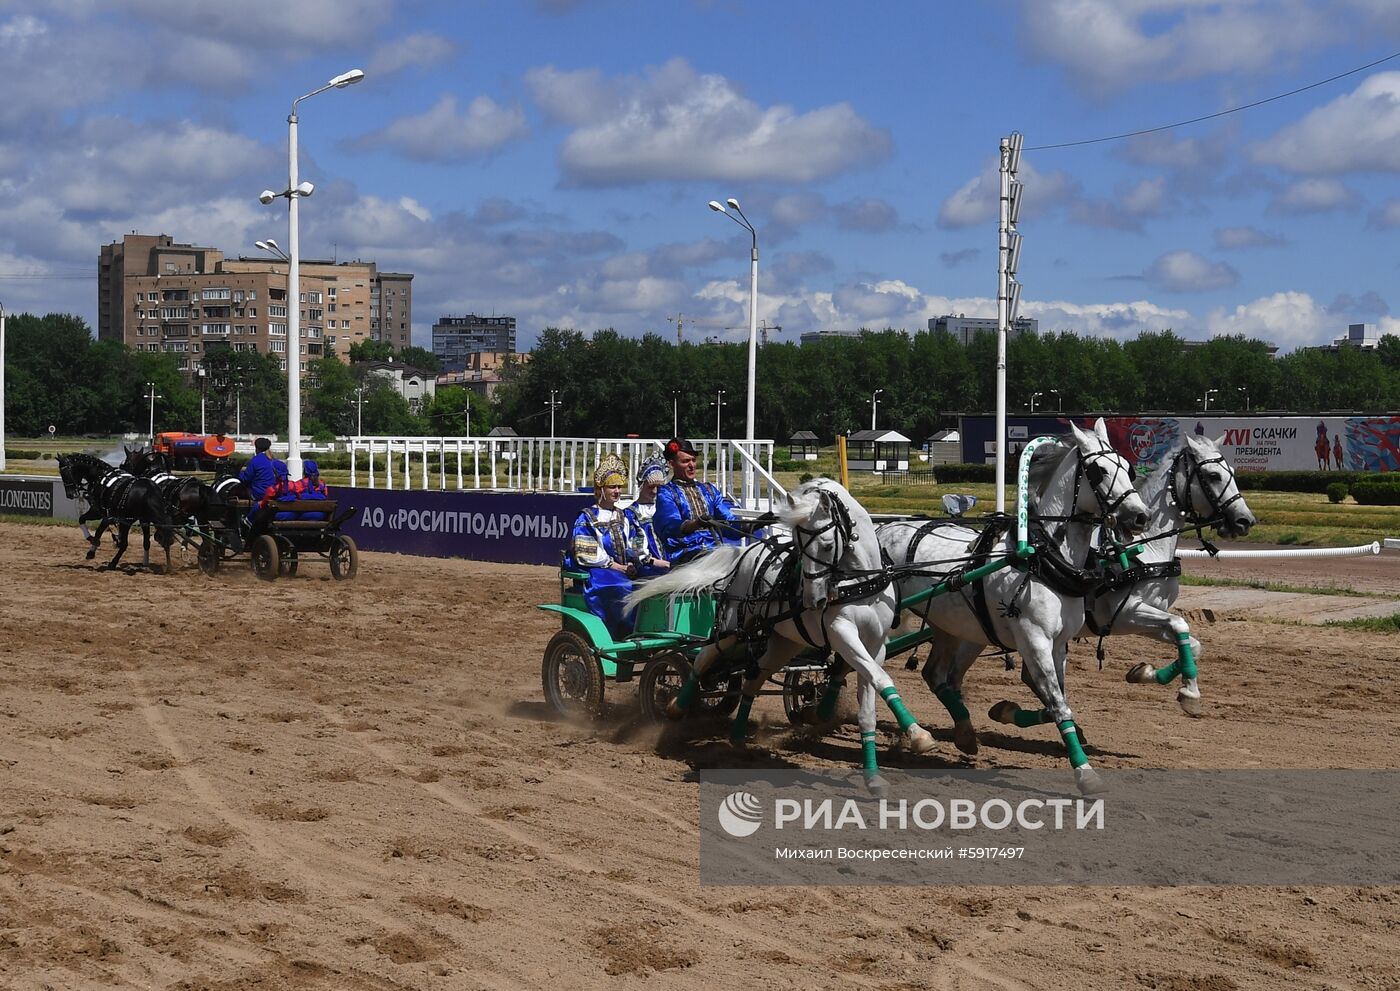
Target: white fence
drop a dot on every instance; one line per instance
(548, 464)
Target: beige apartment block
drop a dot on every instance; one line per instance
(157, 295)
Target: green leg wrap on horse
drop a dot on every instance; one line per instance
(1070, 734)
(952, 701)
(685, 698)
(896, 704)
(867, 746)
(826, 708)
(1167, 675)
(1025, 718)
(740, 726)
(1187, 659)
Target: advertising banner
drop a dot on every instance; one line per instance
(506, 527)
(26, 496)
(1250, 443)
(35, 495)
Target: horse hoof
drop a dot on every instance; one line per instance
(1004, 712)
(91, 554)
(1190, 704)
(674, 711)
(877, 785)
(1142, 674)
(965, 738)
(1088, 781)
(919, 740)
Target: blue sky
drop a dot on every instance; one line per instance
(552, 160)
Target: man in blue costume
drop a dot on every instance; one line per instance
(260, 473)
(692, 516)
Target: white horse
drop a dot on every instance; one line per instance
(1193, 487)
(846, 603)
(1035, 608)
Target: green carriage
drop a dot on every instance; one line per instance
(583, 657)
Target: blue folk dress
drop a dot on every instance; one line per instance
(601, 537)
(646, 545)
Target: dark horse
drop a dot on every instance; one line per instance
(190, 499)
(117, 496)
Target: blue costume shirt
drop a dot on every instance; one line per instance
(602, 537)
(259, 474)
(677, 502)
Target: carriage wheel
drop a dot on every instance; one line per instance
(211, 555)
(802, 690)
(664, 676)
(572, 676)
(345, 557)
(264, 556)
(287, 562)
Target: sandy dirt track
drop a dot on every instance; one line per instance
(226, 784)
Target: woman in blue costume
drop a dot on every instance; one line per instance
(602, 546)
(641, 515)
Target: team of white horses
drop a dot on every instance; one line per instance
(1084, 506)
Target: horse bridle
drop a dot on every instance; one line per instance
(846, 535)
(1096, 474)
(1183, 501)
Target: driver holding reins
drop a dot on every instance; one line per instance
(692, 516)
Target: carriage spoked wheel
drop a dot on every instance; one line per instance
(211, 555)
(665, 675)
(802, 690)
(287, 562)
(265, 557)
(344, 557)
(572, 676)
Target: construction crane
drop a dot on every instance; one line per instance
(763, 328)
(680, 319)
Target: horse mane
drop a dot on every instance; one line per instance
(1160, 477)
(88, 460)
(803, 503)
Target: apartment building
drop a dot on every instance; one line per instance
(157, 295)
(964, 328)
(456, 338)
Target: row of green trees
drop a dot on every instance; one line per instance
(609, 385)
(57, 374)
(613, 385)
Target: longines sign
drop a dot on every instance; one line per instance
(25, 497)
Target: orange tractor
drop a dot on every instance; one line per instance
(189, 452)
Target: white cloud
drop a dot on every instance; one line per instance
(442, 134)
(1358, 132)
(977, 200)
(1313, 196)
(1186, 271)
(1119, 320)
(1107, 45)
(1289, 319)
(675, 123)
(1234, 238)
(297, 24)
(416, 51)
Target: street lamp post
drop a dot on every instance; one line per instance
(1205, 402)
(554, 404)
(1048, 392)
(874, 401)
(360, 412)
(1245, 390)
(295, 191)
(718, 403)
(675, 413)
(203, 377)
(152, 395)
(743, 222)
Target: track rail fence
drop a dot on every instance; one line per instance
(547, 464)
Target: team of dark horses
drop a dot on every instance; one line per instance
(144, 492)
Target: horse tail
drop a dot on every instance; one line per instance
(702, 573)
